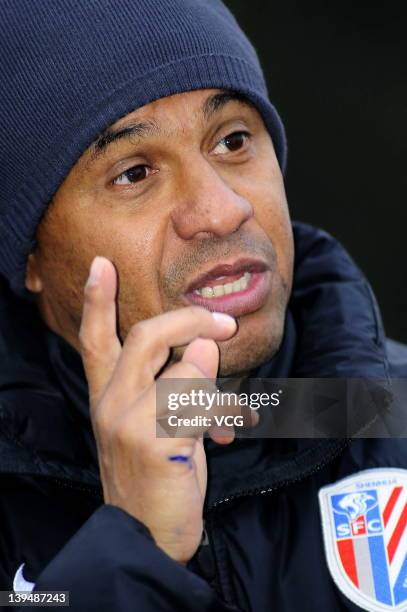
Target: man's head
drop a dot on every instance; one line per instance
(159, 165)
(169, 193)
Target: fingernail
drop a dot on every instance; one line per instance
(96, 271)
(225, 319)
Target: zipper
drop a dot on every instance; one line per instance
(208, 536)
(94, 490)
(265, 489)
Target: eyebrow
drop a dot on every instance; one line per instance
(212, 105)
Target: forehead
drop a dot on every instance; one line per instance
(160, 117)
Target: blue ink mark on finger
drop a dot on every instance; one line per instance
(183, 458)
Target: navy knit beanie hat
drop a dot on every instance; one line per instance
(71, 68)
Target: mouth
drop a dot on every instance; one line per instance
(236, 289)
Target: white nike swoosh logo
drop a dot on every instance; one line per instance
(20, 583)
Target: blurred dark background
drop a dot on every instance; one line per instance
(337, 73)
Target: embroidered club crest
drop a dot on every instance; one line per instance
(364, 520)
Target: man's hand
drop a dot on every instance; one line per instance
(137, 474)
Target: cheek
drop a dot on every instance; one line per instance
(284, 247)
(136, 251)
(73, 236)
(69, 238)
(64, 256)
(272, 215)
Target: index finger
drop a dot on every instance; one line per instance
(147, 346)
(99, 344)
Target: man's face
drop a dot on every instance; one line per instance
(185, 196)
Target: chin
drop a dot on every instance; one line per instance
(248, 350)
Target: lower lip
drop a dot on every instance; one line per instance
(240, 303)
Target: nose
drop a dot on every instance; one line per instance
(207, 204)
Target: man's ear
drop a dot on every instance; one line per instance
(33, 281)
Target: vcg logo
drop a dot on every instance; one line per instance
(364, 521)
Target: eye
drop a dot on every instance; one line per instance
(135, 174)
(232, 142)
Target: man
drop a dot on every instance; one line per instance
(145, 234)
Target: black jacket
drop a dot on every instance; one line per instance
(264, 549)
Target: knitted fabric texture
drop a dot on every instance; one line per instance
(71, 68)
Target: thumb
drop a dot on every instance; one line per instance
(204, 354)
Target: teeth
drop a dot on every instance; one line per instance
(219, 290)
(207, 292)
(237, 284)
